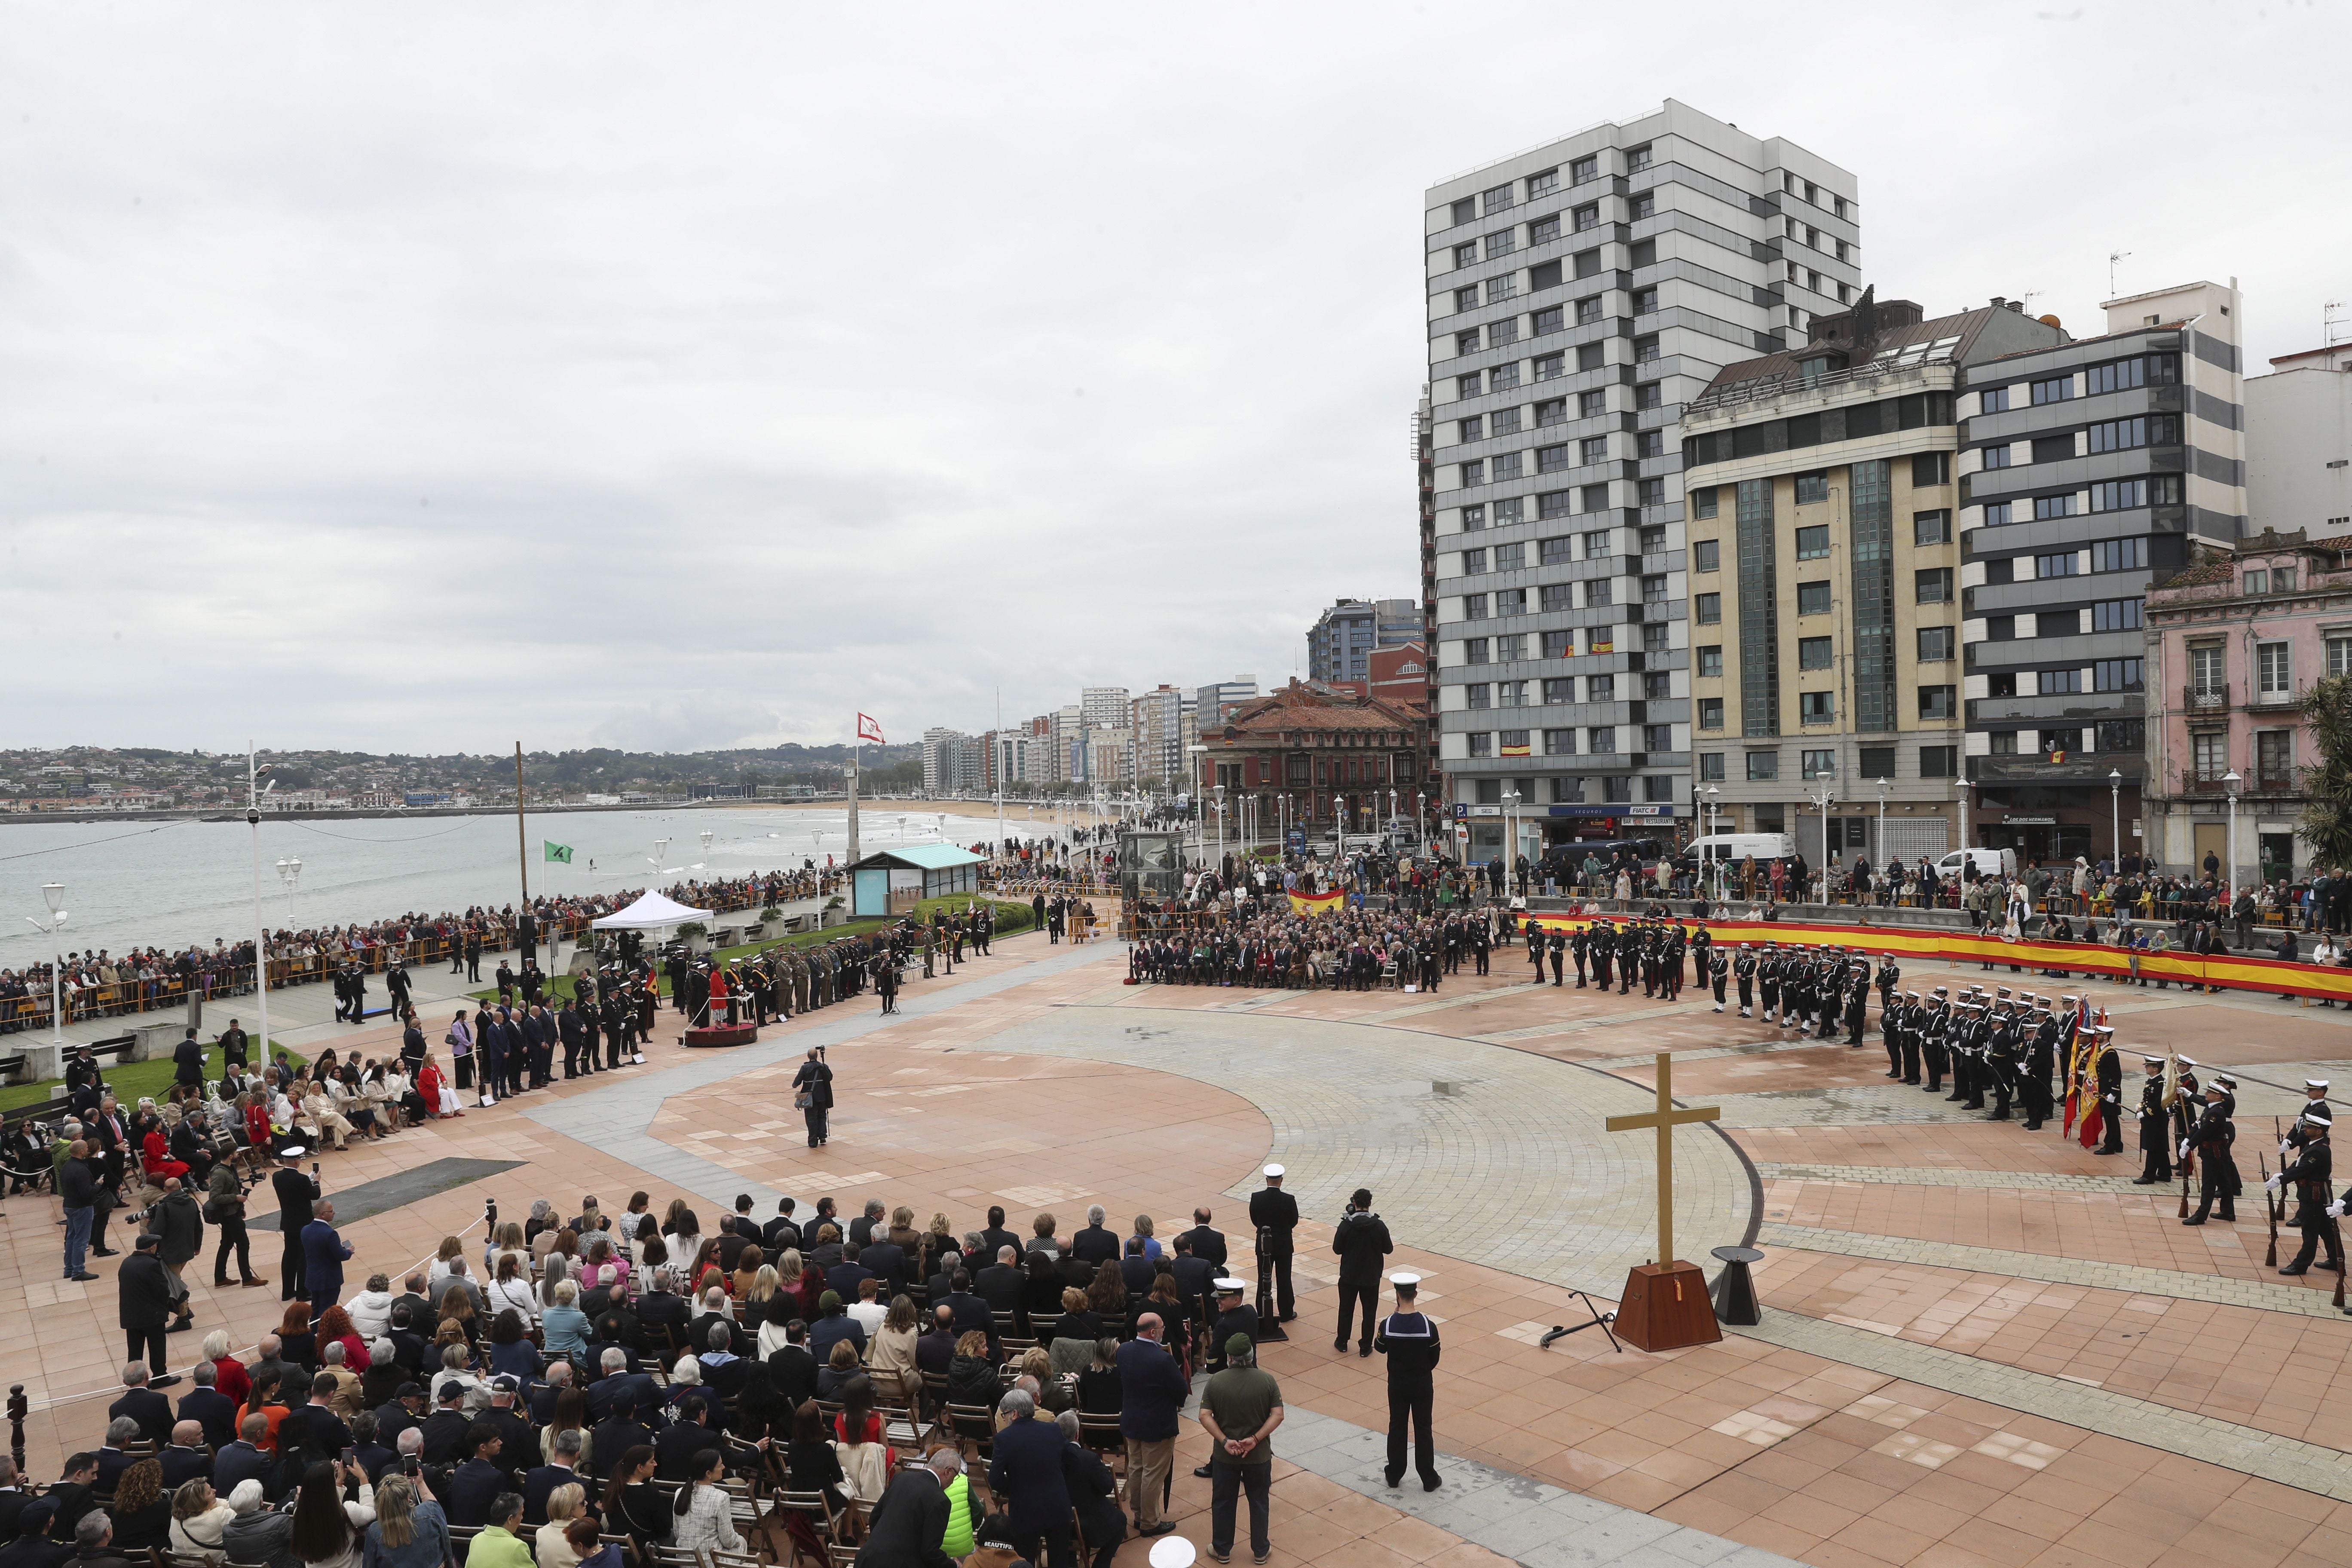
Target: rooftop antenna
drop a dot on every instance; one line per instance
(2114, 256)
(2030, 295)
(2331, 318)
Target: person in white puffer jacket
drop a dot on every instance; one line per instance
(371, 1309)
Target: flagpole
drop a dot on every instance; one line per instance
(522, 861)
(856, 750)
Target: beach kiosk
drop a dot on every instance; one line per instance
(892, 881)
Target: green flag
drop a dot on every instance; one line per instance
(558, 851)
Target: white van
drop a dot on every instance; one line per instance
(1988, 863)
(1731, 848)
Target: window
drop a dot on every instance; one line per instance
(1637, 160)
(1814, 598)
(1511, 648)
(1817, 707)
(1510, 558)
(1558, 644)
(1933, 585)
(1812, 653)
(1552, 320)
(1473, 428)
(2001, 628)
(1650, 394)
(1993, 400)
(2209, 755)
(1482, 745)
(1503, 287)
(2064, 565)
(1931, 468)
(1658, 737)
(2054, 506)
(1507, 465)
(1931, 528)
(1706, 555)
(1650, 492)
(1652, 539)
(1582, 169)
(1600, 739)
(2273, 677)
(1514, 744)
(1552, 412)
(2058, 623)
(1503, 377)
(1466, 255)
(1935, 644)
(1550, 367)
(1480, 695)
(2117, 377)
(1505, 422)
(1467, 299)
(1543, 231)
(1474, 518)
(1642, 206)
(2116, 675)
(1559, 691)
(1466, 343)
(1473, 474)
(1555, 503)
(1645, 350)
(2258, 581)
(1703, 501)
(1996, 513)
(1598, 590)
(2055, 743)
(1710, 767)
(2058, 389)
(1710, 712)
(1601, 639)
(1587, 311)
(1543, 185)
(1468, 386)
(1763, 766)
(2052, 449)
(1474, 563)
(1474, 651)
(1619, 791)
(1875, 762)
(1591, 405)
(2123, 434)
(1710, 658)
(2273, 756)
(1511, 600)
(1813, 544)
(1649, 443)
(1654, 589)
(1587, 216)
(1645, 301)
(1558, 743)
(2004, 744)
(1995, 456)
(1813, 486)
(1592, 450)
(1938, 702)
(1589, 356)
(1497, 200)
(2119, 555)
(1709, 608)
(2058, 682)
(1939, 761)
(2122, 735)
(2282, 579)
(1657, 684)
(1818, 765)
(1466, 210)
(1597, 544)
(2339, 656)
(2115, 615)
(1506, 330)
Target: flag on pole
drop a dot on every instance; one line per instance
(869, 729)
(555, 851)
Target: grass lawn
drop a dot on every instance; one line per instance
(129, 1080)
(1010, 918)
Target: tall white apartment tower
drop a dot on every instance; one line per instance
(1580, 294)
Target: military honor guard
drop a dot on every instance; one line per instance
(1408, 1337)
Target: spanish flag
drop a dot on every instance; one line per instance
(1317, 903)
(1519, 750)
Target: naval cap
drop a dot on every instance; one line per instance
(1405, 1278)
(1273, 1170)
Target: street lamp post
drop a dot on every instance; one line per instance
(54, 894)
(2230, 781)
(254, 769)
(1510, 838)
(1708, 875)
(2114, 818)
(1882, 823)
(1822, 802)
(289, 872)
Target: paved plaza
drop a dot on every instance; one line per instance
(1980, 1345)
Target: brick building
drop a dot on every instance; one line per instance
(1313, 756)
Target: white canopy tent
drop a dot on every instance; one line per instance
(654, 911)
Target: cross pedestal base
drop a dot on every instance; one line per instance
(1665, 1307)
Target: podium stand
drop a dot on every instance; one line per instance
(1665, 1308)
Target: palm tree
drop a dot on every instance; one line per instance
(2326, 822)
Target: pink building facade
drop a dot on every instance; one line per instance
(2234, 644)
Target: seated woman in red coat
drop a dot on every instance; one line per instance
(155, 1155)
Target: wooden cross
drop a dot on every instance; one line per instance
(1665, 1119)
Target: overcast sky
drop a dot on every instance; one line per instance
(430, 377)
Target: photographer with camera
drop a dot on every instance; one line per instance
(1361, 1241)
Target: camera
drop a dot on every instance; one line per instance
(491, 1211)
(252, 817)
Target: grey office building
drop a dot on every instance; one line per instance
(1580, 294)
(2087, 470)
(1340, 644)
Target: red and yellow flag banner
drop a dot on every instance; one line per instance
(1928, 944)
(1317, 903)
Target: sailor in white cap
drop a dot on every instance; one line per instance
(2217, 1172)
(296, 1193)
(2312, 1176)
(1408, 1337)
(2314, 1092)
(2156, 1139)
(1274, 1215)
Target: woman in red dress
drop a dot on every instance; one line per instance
(428, 1088)
(155, 1156)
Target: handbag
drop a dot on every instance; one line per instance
(802, 1100)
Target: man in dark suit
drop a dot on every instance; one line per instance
(73, 1496)
(1207, 1243)
(448, 1429)
(296, 1193)
(792, 1366)
(723, 1372)
(320, 1431)
(911, 1520)
(1095, 1245)
(936, 1347)
(475, 1483)
(780, 1232)
(888, 1262)
(661, 1308)
(398, 1413)
(114, 1455)
(616, 1385)
(367, 1451)
(1193, 1274)
(144, 1305)
(519, 1442)
(244, 1460)
(1000, 1283)
(1135, 1270)
(1025, 1474)
(210, 1409)
(938, 1287)
(562, 1470)
(969, 1310)
(845, 1276)
(1361, 1241)
(324, 1253)
(187, 1457)
(732, 1243)
(617, 1435)
(714, 1312)
(1152, 1391)
(861, 1229)
(1276, 1212)
(142, 1404)
(688, 1434)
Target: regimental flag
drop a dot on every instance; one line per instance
(555, 851)
(1317, 904)
(870, 729)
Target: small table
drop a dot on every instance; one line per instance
(1735, 1290)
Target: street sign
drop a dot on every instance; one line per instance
(1296, 839)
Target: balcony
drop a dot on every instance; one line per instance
(2197, 784)
(2196, 699)
(2087, 768)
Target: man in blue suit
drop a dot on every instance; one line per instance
(324, 1254)
(1026, 1475)
(494, 1059)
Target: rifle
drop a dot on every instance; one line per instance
(2270, 1207)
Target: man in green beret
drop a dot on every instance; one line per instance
(1240, 1409)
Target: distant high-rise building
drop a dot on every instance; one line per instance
(953, 762)
(1578, 295)
(1105, 707)
(2299, 444)
(1340, 642)
(1213, 703)
(1157, 724)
